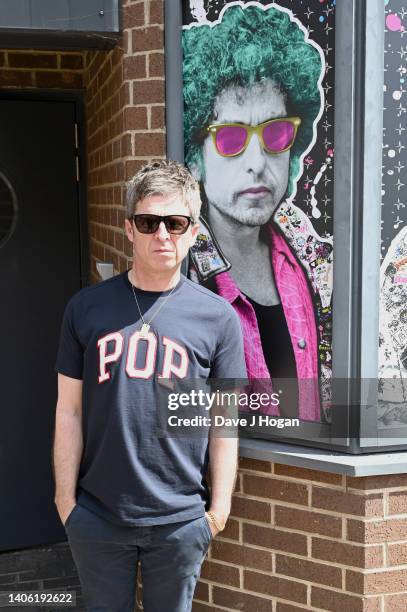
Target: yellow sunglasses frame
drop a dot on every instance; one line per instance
(253, 129)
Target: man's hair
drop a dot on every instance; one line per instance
(165, 178)
(249, 45)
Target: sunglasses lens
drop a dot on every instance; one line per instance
(278, 136)
(176, 224)
(146, 224)
(230, 139)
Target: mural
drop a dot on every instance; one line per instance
(258, 126)
(393, 272)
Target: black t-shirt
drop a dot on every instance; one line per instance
(131, 474)
(278, 354)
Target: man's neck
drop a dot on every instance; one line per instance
(236, 240)
(152, 281)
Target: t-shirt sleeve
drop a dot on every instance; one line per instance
(70, 351)
(229, 361)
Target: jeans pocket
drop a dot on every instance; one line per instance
(207, 529)
(68, 520)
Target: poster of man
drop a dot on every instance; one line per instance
(253, 98)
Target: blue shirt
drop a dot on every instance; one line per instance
(132, 472)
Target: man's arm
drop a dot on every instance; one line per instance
(68, 443)
(223, 467)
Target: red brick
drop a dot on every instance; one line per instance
(156, 65)
(237, 600)
(135, 118)
(316, 475)
(221, 573)
(390, 581)
(198, 606)
(148, 39)
(377, 482)
(201, 591)
(275, 586)
(72, 62)
(309, 570)
(251, 509)
(148, 92)
(2, 58)
(347, 503)
(133, 166)
(15, 78)
(334, 601)
(347, 554)
(283, 607)
(125, 145)
(157, 117)
(156, 11)
(254, 464)
(71, 80)
(395, 603)
(272, 488)
(32, 60)
(133, 16)
(275, 539)
(241, 555)
(311, 522)
(372, 532)
(149, 144)
(231, 530)
(398, 502)
(397, 554)
(135, 67)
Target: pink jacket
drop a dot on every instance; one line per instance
(298, 308)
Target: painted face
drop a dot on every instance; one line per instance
(161, 251)
(249, 187)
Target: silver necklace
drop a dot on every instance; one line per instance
(145, 328)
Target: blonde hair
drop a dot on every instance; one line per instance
(164, 177)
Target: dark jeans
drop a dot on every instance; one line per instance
(106, 557)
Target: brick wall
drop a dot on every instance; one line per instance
(302, 539)
(41, 69)
(125, 126)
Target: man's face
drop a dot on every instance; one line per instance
(161, 251)
(249, 187)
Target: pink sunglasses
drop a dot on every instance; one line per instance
(276, 135)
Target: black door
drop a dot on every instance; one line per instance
(39, 271)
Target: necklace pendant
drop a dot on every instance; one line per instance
(144, 330)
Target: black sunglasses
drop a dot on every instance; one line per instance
(174, 224)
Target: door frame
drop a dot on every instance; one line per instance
(77, 98)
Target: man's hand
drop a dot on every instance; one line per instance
(65, 507)
(220, 521)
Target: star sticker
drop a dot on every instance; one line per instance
(402, 52)
(327, 68)
(403, 12)
(399, 167)
(399, 184)
(328, 11)
(399, 204)
(308, 13)
(326, 125)
(327, 106)
(309, 30)
(326, 200)
(401, 109)
(400, 129)
(326, 88)
(400, 146)
(328, 49)
(327, 143)
(326, 180)
(326, 218)
(327, 29)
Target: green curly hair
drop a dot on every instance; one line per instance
(249, 45)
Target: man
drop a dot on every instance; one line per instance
(252, 92)
(124, 491)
